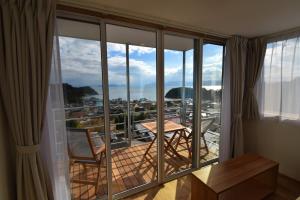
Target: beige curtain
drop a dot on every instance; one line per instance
(255, 58)
(236, 48)
(26, 37)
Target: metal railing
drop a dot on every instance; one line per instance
(121, 133)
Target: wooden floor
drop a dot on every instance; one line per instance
(130, 169)
(128, 172)
(180, 189)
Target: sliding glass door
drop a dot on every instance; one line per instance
(179, 104)
(131, 56)
(134, 116)
(211, 102)
(80, 56)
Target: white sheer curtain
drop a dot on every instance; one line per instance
(278, 90)
(225, 114)
(54, 144)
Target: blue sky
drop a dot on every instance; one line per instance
(81, 64)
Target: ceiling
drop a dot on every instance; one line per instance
(219, 17)
(75, 29)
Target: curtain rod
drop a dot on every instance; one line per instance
(93, 12)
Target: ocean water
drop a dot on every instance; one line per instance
(137, 93)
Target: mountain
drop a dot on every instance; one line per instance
(206, 95)
(76, 94)
(176, 93)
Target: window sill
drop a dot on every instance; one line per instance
(280, 119)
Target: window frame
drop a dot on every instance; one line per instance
(199, 41)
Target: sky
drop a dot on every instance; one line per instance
(81, 64)
(282, 55)
(281, 79)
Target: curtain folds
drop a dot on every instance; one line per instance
(236, 62)
(54, 142)
(224, 153)
(26, 38)
(278, 89)
(255, 57)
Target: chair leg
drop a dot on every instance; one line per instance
(186, 139)
(99, 173)
(100, 160)
(178, 142)
(205, 144)
(98, 179)
(104, 160)
(149, 147)
(84, 168)
(188, 146)
(70, 164)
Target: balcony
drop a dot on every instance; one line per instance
(131, 168)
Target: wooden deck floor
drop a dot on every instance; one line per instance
(130, 169)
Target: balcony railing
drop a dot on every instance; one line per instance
(138, 132)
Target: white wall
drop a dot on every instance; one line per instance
(279, 141)
(7, 179)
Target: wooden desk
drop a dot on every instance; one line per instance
(248, 177)
(169, 126)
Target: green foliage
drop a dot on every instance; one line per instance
(152, 107)
(72, 124)
(139, 116)
(120, 119)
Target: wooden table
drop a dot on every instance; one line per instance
(248, 177)
(169, 126)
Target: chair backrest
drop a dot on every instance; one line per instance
(96, 142)
(83, 144)
(206, 123)
(78, 144)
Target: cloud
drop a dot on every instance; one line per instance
(172, 51)
(173, 74)
(115, 47)
(216, 59)
(81, 64)
(169, 71)
(213, 72)
(282, 54)
(141, 50)
(121, 48)
(79, 48)
(80, 61)
(146, 68)
(141, 72)
(115, 78)
(142, 66)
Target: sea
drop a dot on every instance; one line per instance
(137, 93)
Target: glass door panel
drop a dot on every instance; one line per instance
(211, 94)
(131, 55)
(131, 63)
(80, 58)
(178, 108)
(116, 61)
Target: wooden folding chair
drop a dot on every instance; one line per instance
(187, 136)
(85, 147)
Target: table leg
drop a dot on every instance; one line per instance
(169, 145)
(149, 147)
